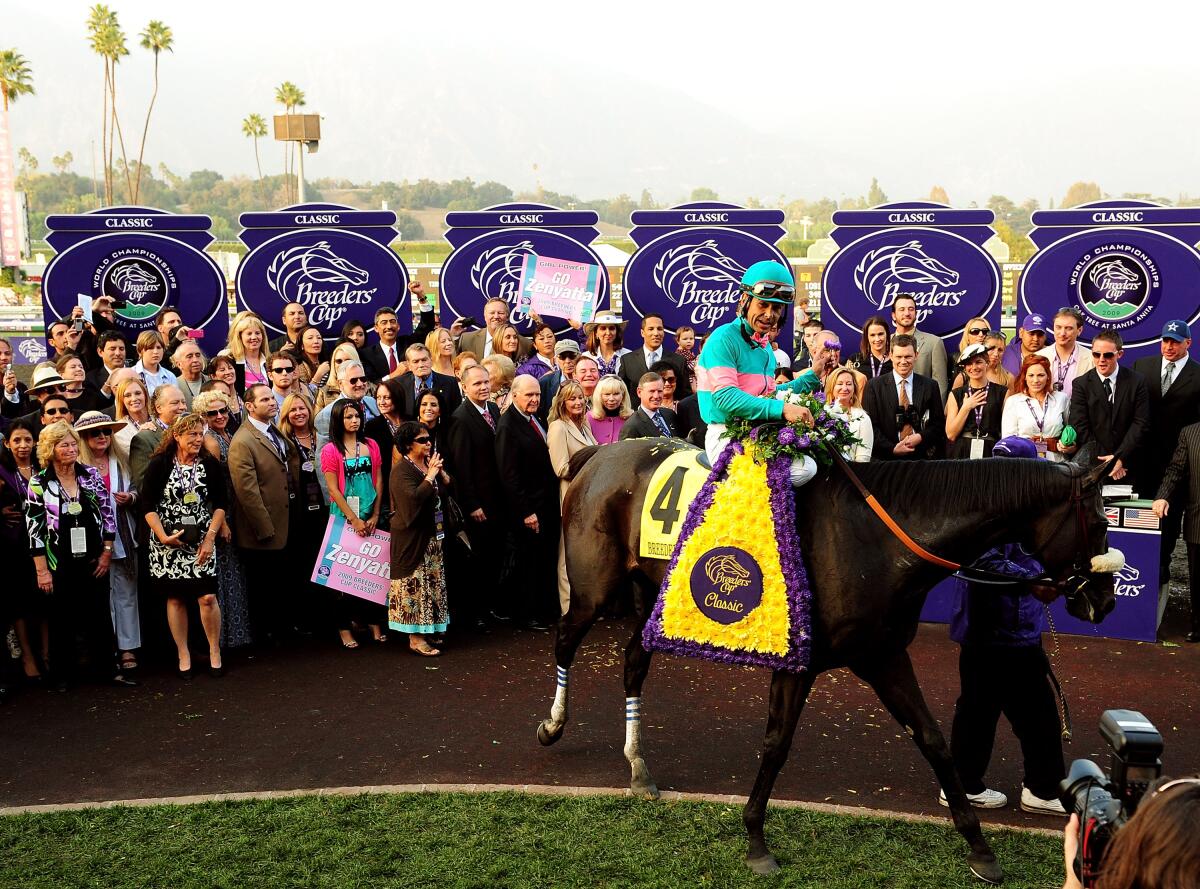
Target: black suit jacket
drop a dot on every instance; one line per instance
(1185, 467)
(882, 404)
(1118, 429)
(530, 485)
(641, 426)
(471, 460)
(445, 386)
(691, 424)
(375, 362)
(1168, 413)
(633, 365)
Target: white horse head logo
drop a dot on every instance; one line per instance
(1114, 279)
(1128, 574)
(315, 263)
(695, 262)
(498, 267)
(32, 350)
(902, 264)
(133, 281)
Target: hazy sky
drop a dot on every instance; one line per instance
(749, 98)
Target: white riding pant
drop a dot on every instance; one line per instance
(802, 470)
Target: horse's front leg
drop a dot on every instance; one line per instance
(896, 684)
(637, 665)
(789, 691)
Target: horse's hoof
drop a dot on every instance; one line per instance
(986, 867)
(764, 865)
(545, 736)
(644, 791)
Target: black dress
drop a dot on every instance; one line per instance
(381, 431)
(987, 427)
(868, 366)
(167, 489)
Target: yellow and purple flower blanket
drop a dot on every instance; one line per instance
(736, 590)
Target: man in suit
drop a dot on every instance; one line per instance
(1171, 496)
(1173, 385)
(1110, 406)
(111, 349)
(688, 421)
(420, 377)
(913, 432)
(495, 313)
(636, 363)
(531, 489)
(651, 419)
(566, 354)
(265, 470)
(931, 351)
(471, 457)
(166, 405)
(385, 358)
(295, 319)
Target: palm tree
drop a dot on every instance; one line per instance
(290, 97)
(100, 19)
(15, 76)
(114, 48)
(157, 37)
(254, 127)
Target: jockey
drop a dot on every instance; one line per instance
(737, 365)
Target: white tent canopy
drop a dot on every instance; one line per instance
(612, 257)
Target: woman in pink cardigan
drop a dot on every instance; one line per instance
(610, 409)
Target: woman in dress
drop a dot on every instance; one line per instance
(382, 431)
(184, 496)
(501, 372)
(506, 341)
(312, 366)
(567, 435)
(310, 516)
(541, 360)
(26, 605)
(214, 406)
(95, 450)
(611, 407)
(604, 337)
(132, 408)
(873, 358)
(843, 393)
(1035, 411)
(350, 463)
(71, 523)
(441, 346)
(248, 346)
(224, 369)
(417, 598)
(973, 410)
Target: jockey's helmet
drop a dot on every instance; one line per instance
(770, 281)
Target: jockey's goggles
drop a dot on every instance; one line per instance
(772, 291)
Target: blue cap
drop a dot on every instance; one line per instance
(1034, 322)
(1176, 330)
(1014, 446)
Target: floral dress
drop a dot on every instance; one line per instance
(181, 495)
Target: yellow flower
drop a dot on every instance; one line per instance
(740, 515)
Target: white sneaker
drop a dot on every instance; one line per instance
(987, 799)
(1039, 806)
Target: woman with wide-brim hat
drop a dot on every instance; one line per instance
(97, 450)
(604, 336)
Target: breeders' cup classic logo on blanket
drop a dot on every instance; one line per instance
(1114, 284)
(139, 278)
(727, 584)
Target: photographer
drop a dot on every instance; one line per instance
(1158, 849)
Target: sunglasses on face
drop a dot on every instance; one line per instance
(219, 412)
(978, 331)
(357, 381)
(97, 433)
(57, 411)
(771, 288)
(424, 439)
(1105, 355)
(995, 348)
(283, 370)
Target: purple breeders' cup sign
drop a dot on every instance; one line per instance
(689, 263)
(927, 251)
(145, 259)
(490, 251)
(1126, 265)
(726, 584)
(559, 289)
(335, 261)
(357, 566)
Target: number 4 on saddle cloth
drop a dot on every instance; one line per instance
(735, 589)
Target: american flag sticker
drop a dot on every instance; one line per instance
(1113, 514)
(1141, 518)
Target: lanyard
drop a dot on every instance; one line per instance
(1041, 421)
(979, 410)
(1063, 370)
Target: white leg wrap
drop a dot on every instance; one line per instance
(558, 711)
(633, 729)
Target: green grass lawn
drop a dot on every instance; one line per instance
(485, 840)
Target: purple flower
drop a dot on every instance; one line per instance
(787, 436)
(819, 395)
(754, 433)
(804, 441)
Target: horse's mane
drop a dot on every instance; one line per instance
(964, 485)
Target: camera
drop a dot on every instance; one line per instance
(910, 416)
(468, 321)
(119, 303)
(1105, 802)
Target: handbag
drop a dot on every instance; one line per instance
(456, 522)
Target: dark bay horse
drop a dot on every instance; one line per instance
(867, 588)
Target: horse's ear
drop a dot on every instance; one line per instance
(1085, 457)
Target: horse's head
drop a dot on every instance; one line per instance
(1072, 543)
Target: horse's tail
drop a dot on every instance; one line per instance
(579, 458)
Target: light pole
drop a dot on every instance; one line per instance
(302, 128)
